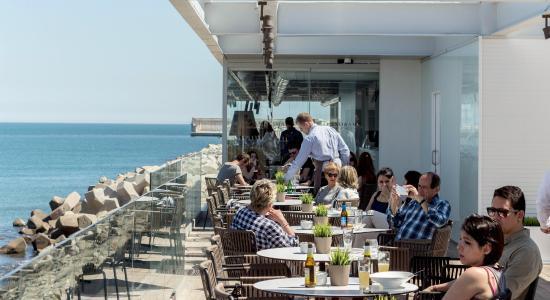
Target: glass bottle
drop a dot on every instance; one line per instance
(344, 216)
(310, 278)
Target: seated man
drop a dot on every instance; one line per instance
(306, 172)
(521, 257)
(233, 170)
(270, 226)
(420, 218)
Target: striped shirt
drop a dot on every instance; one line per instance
(268, 233)
(412, 222)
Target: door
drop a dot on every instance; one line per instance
(436, 132)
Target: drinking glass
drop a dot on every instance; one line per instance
(364, 275)
(374, 248)
(358, 221)
(348, 239)
(383, 261)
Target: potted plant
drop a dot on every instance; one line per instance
(322, 235)
(321, 215)
(340, 263)
(281, 188)
(279, 177)
(307, 202)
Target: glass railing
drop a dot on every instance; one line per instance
(144, 237)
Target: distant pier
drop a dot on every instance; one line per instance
(206, 127)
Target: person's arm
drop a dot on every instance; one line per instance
(343, 150)
(443, 287)
(300, 160)
(240, 180)
(543, 204)
(472, 282)
(438, 215)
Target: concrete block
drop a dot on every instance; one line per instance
(56, 202)
(36, 223)
(27, 231)
(126, 192)
(68, 224)
(95, 199)
(15, 246)
(38, 212)
(72, 200)
(41, 241)
(85, 220)
(19, 222)
(110, 204)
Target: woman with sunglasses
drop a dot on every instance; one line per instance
(328, 193)
(480, 246)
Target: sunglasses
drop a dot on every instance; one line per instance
(332, 174)
(501, 212)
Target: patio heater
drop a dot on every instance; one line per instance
(243, 125)
(546, 28)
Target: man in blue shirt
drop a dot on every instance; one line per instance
(420, 217)
(323, 144)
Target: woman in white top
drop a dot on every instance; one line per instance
(268, 142)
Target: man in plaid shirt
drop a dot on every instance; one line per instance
(269, 225)
(419, 218)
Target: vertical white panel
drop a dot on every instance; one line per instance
(400, 115)
(515, 148)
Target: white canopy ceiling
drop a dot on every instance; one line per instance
(358, 28)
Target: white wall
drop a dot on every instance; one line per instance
(400, 115)
(515, 110)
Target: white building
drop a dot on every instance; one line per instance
(460, 87)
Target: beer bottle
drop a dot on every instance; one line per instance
(344, 216)
(310, 268)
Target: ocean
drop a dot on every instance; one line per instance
(38, 161)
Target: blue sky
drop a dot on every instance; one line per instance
(103, 61)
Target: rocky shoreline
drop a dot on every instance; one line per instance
(74, 212)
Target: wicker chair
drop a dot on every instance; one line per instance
(433, 270)
(210, 185)
(399, 258)
(220, 292)
(294, 217)
(237, 242)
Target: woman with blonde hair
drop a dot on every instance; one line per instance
(328, 193)
(349, 182)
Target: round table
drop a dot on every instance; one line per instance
(298, 229)
(294, 254)
(295, 286)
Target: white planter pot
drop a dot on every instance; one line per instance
(307, 207)
(281, 197)
(322, 244)
(542, 240)
(320, 220)
(339, 275)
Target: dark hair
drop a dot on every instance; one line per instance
(388, 172)
(265, 127)
(294, 145)
(352, 157)
(412, 178)
(243, 156)
(485, 230)
(436, 181)
(289, 121)
(365, 168)
(512, 193)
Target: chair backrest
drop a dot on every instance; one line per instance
(532, 290)
(453, 271)
(294, 217)
(210, 185)
(209, 280)
(432, 270)
(238, 242)
(217, 221)
(223, 195)
(441, 238)
(366, 192)
(417, 247)
(211, 206)
(229, 219)
(399, 258)
(385, 239)
(221, 294)
(215, 255)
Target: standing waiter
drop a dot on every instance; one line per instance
(322, 143)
